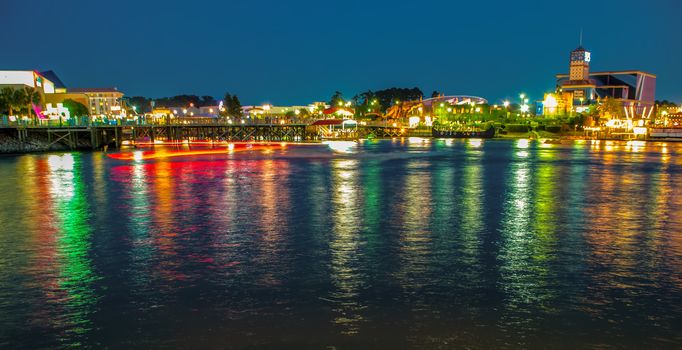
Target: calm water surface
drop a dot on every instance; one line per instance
(404, 243)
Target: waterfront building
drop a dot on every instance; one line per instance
(191, 111)
(59, 86)
(209, 111)
(277, 111)
(99, 101)
(284, 114)
(667, 126)
(18, 79)
(425, 111)
(178, 111)
(454, 100)
(634, 89)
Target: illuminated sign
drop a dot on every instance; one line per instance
(587, 57)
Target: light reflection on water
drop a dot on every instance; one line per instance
(419, 243)
(345, 246)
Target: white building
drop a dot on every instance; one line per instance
(20, 78)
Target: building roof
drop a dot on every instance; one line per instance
(579, 83)
(333, 110)
(84, 90)
(52, 76)
(564, 75)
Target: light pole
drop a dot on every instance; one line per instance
(524, 104)
(266, 108)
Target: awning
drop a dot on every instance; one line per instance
(341, 110)
(327, 122)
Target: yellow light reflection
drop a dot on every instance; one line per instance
(416, 236)
(274, 204)
(522, 257)
(345, 245)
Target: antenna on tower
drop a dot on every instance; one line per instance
(581, 37)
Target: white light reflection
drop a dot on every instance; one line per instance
(341, 146)
(138, 156)
(475, 143)
(61, 175)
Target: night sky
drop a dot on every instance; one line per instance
(296, 52)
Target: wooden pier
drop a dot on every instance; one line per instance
(73, 137)
(257, 132)
(98, 136)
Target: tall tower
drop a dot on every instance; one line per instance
(580, 65)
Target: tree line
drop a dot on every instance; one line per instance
(378, 101)
(144, 104)
(231, 104)
(18, 100)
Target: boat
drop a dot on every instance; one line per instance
(553, 142)
(460, 134)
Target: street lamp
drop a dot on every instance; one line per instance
(506, 107)
(266, 108)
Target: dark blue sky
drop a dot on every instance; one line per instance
(293, 52)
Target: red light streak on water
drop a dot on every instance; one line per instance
(233, 147)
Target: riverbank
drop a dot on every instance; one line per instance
(34, 143)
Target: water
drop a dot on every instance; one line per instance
(403, 243)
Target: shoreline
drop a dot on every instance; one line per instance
(11, 146)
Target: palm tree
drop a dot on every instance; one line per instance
(10, 99)
(31, 96)
(5, 96)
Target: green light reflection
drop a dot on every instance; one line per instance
(76, 274)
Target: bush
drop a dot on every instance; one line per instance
(553, 128)
(517, 128)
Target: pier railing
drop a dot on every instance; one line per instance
(165, 121)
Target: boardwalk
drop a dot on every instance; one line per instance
(97, 135)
